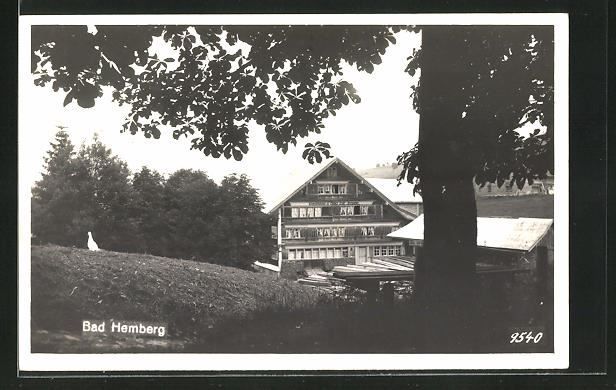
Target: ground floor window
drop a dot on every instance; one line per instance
(387, 250)
(320, 253)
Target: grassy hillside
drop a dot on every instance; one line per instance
(535, 206)
(216, 309)
(384, 172)
(70, 285)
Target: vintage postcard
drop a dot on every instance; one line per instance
(286, 193)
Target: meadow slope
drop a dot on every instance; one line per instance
(71, 285)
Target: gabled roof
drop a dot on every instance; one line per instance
(515, 234)
(322, 169)
(402, 193)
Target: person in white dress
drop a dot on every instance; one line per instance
(91, 243)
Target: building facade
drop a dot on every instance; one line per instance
(335, 218)
(539, 187)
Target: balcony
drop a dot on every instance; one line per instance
(332, 218)
(346, 237)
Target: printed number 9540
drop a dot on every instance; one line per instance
(525, 337)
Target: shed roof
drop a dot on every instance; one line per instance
(515, 234)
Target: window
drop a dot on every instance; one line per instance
(291, 255)
(330, 253)
(337, 253)
(326, 232)
(334, 232)
(371, 230)
(351, 251)
(320, 232)
(315, 253)
(308, 254)
(296, 233)
(387, 250)
(364, 231)
(302, 212)
(341, 232)
(288, 233)
(345, 252)
(317, 212)
(332, 172)
(363, 210)
(299, 255)
(322, 253)
(294, 213)
(310, 212)
(335, 189)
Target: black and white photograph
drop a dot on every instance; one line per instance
(293, 192)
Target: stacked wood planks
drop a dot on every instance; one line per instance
(384, 269)
(395, 267)
(323, 279)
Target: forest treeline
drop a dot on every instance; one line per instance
(186, 215)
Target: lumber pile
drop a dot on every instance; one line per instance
(379, 267)
(323, 279)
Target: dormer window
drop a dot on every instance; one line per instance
(332, 189)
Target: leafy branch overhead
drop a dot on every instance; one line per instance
(217, 79)
(502, 81)
(213, 81)
(313, 152)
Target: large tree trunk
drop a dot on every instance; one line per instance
(445, 271)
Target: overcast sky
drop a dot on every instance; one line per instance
(374, 131)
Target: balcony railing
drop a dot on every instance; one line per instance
(333, 218)
(346, 237)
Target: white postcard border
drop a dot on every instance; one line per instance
(298, 362)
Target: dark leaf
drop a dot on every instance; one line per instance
(68, 98)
